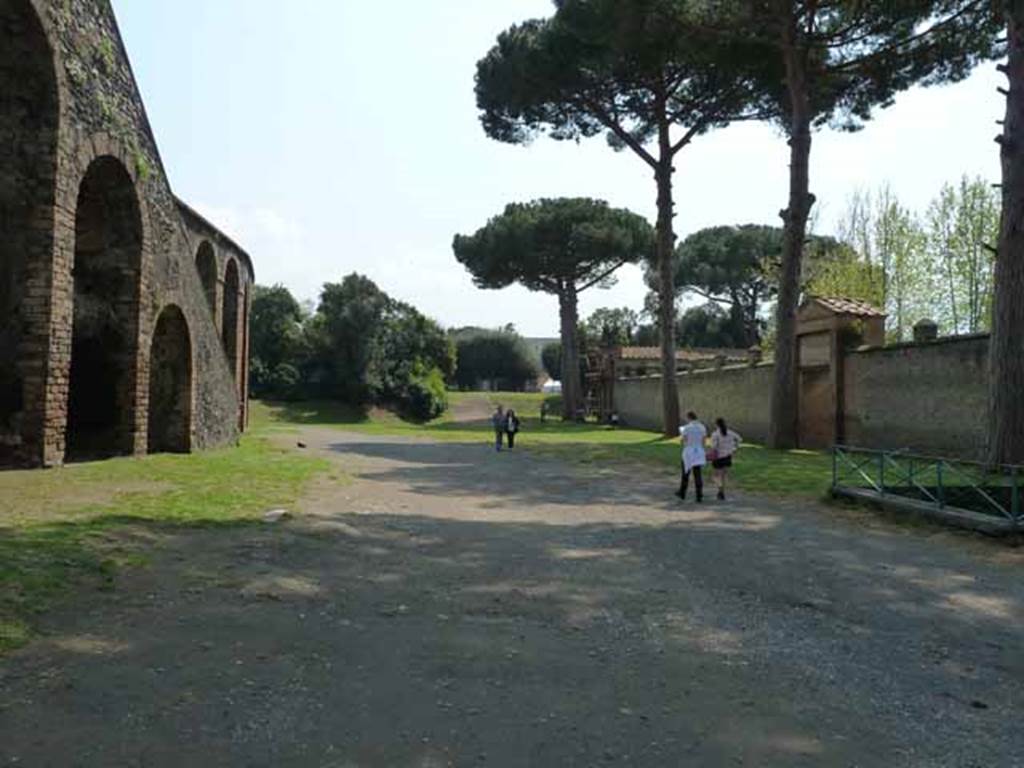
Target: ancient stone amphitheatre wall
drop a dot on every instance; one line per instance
(113, 294)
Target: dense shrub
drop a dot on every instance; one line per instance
(425, 396)
(360, 346)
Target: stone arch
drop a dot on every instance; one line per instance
(29, 125)
(230, 315)
(106, 272)
(170, 384)
(206, 265)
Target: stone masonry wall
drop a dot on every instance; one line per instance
(102, 116)
(929, 398)
(203, 235)
(739, 394)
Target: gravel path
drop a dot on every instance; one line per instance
(454, 606)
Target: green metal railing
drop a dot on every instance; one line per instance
(940, 482)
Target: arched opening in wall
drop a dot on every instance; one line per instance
(108, 253)
(170, 384)
(206, 265)
(28, 168)
(230, 316)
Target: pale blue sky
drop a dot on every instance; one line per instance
(332, 136)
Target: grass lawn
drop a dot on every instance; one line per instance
(65, 526)
(78, 524)
(758, 469)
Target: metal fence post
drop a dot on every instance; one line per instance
(835, 466)
(940, 490)
(1015, 495)
(881, 472)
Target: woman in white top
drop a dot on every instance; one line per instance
(693, 435)
(724, 444)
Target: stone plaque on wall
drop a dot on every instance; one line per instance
(815, 350)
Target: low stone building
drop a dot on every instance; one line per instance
(123, 312)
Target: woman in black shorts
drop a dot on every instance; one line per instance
(724, 444)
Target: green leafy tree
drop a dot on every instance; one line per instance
(734, 267)
(900, 250)
(612, 327)
(737, 267)
(351, 313)
(839, 61)
(408, 347)
(647, 74)
(277, 342)
(711, 326)
(563, 247)
(962, 224)
(497, 357)
(551, 359)
(850, 276)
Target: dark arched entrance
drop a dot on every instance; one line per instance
(206, 265)
(230, 317)
(108, 249)
(170, 384)
(28, 168)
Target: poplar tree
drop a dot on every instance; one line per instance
(646, 73)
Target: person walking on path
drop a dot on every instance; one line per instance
(511, 428)
(498, 421)
(724, 444)
(693, 435)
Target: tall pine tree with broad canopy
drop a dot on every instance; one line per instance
(642, 72)
(840, 59)
(563, 246)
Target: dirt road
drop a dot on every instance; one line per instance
(455, 606)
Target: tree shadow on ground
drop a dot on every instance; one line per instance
(384, 639)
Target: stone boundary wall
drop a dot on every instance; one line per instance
(930, 397)
(739, 394)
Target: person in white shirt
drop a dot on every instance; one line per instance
(693, 435)
(724, 444)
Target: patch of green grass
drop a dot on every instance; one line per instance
(757, 469)
(65, 526)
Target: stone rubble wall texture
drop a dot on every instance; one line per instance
(739, 394)
(72, 49)
(928, 398)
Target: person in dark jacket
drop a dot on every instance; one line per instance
(498, 421)
(511, 428)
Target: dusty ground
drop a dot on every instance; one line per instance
(454, 606)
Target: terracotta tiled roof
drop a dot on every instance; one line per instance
(843, 306)
(654, 353)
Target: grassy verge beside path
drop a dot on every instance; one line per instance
(72, 525)
(757, 470)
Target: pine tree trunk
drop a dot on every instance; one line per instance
(1006, 349)
(665, 256)
(785, 394)
(569, 314)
